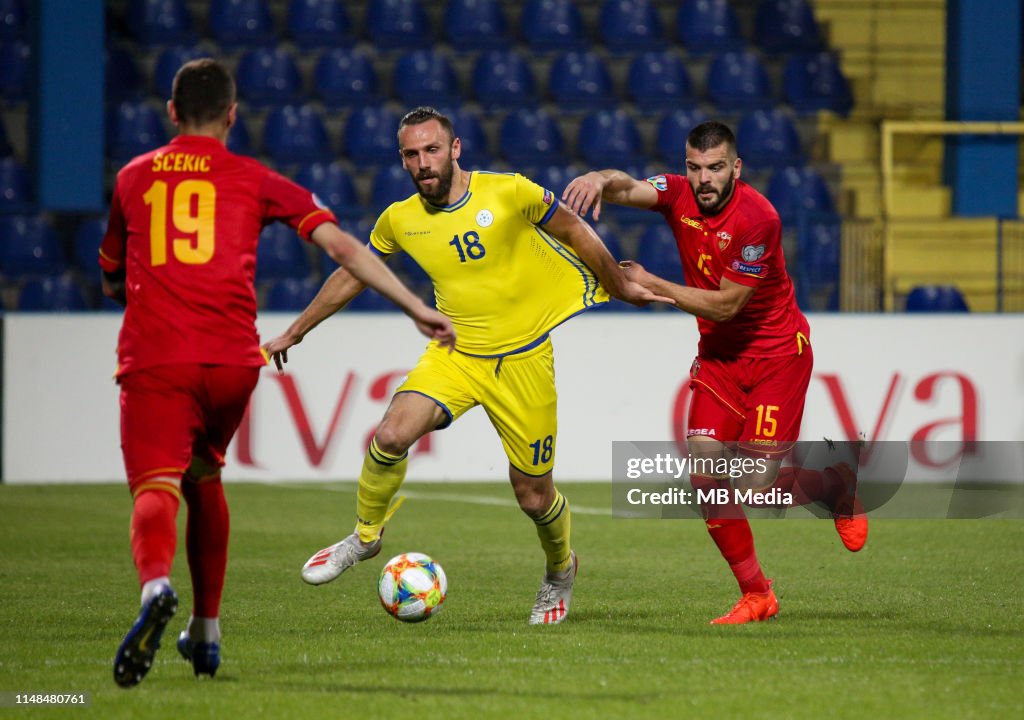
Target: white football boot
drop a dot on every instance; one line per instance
(332, 561)
(554, 596)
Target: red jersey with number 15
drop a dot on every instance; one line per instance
(184, 224)
(743, 243)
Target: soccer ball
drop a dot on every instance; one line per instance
(412, 587)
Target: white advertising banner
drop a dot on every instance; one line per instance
(620, 377)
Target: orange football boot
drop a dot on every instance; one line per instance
(847, 511)
(752, 607)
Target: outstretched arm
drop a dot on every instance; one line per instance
(587, 191)
(718, 305)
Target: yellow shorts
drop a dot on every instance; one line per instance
(517, 392)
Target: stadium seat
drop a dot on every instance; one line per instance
(768, 139)
(239, 139)
(610, 138)
(133, 128)
(13, 20)
(552, 25)
(670, 140)
(167, 64)
(628, 25)
(60, 293)
(281, 253)
(121, 77)
(268, 76)
(370, 300)
(658, 81)
(390, 184)
(708, 26)
(812, 82)
(295, 134)
(240, 23)
(475, 25)
(817, 265)
(359, 228)
(319, 23)
(610, 238)
(738, 81)
(15, 70)
(29, 246)
(160, 22)
(936, 299)
(800, 195)
(580, 80)
(657, 251)
(476, 154)
(86, 245)
(5, 146)
(784, 26)
(503, 80)
(394, 24)
(371, 136)
(555, 177)
(333, 185)
(413, 275)
(345, 77)
(424, 77)
(15, 187)
(290, 294)
(531, 137)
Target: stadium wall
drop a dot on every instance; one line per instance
(620, 377)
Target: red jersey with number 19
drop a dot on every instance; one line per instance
(743, 243)
(184, 224)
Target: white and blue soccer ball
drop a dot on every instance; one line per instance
(412, 587)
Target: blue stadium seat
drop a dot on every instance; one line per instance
(817, 265)
(319, 23)
(610, 138)
(552, 25)
(13, 20)
(658, 81)
(628, 25)
(815, 81)
(239, 139)
(670, 140)
(333, 185)
(167, 64)
(29, 246)
(86, 245)
(580, 80)
(371, 136)
(424, 77)
(610, 238)
(784, 26)
(398, 24)
(738, 81)
(268, 76)
(240, 23)
(503, 80)
(290, 294)
(555, 177)
(800, 195)
(345, 77)
(5, 146)
(476, 154)
(295, 134)
(15, 70)
(160, 22)
(359, 228)
(122, 78)
(412, 275)
(15, 187)
(60, 293)
(475, 25)
(657, 251)
(708, 26)
(768, 139)
(281, 253)
(133, 128)
(936, 299)
(531, 137)
(370, 300)
(390, 184)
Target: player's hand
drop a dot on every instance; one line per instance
(639, 286)
(584, 193)
(277, 349)
(436, 327)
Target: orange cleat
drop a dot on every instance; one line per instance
(752, 607)
(847, 511)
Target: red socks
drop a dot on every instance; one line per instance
(736, 543)
(154, 533)
(206, 542)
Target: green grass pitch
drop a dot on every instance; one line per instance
(925, 622)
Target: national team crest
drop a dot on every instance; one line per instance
(659, 182)
(752, 253)
(484, 218)
(724, 239)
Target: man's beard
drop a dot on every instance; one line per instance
(440, 192)
(721, 198)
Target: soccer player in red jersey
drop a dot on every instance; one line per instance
(180, 254)
(754, 359)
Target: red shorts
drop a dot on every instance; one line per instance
(755, 402)
(172, 413)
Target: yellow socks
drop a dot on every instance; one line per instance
(553, 529)
(380, 479)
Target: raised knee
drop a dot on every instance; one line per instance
(391, 439)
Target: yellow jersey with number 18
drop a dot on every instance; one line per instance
(501, 278)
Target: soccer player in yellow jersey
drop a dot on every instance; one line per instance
(508, 263)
